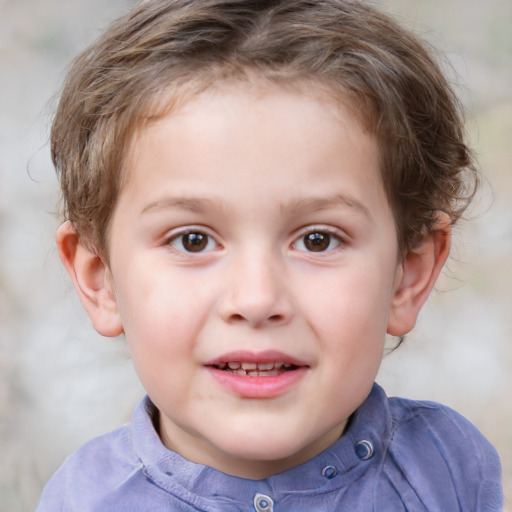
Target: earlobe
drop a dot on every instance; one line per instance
(417, 276)
(92, 280)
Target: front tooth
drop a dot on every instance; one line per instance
(287, 365)
(249, 366)
(233, 365)
(265, 366)
(277, 366)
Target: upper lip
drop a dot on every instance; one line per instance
(266, 356)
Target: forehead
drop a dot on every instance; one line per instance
(246, 100)
(255, 140)
(195, 85)
(193, 100)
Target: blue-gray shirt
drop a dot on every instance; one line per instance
(396, 455)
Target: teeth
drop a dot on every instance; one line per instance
(254, 369)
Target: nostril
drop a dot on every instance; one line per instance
(237, 317)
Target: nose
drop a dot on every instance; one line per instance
(256, 293)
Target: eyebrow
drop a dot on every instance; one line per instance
(312, 204)
(194, 205)
(316, 204)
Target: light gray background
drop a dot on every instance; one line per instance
(61, 384)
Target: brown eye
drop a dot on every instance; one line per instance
(317, 242)
(195, 241)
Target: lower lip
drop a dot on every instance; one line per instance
(258, 387)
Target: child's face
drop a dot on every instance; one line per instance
(254, 230)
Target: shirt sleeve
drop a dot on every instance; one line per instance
(445, 459)
(54, 493)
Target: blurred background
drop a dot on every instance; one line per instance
(61, 383)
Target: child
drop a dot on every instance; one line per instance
(255, 193)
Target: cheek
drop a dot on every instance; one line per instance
(163, 314)
(349, 302)
(157, 321)
(161, 336)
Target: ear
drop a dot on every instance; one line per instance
(92, 280)
(417, 275)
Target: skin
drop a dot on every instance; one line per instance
(254, 178)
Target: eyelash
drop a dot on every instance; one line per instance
(204, 242)
(327, 235)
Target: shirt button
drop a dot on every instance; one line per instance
(329, 472)
(263, 503)
(364, 449)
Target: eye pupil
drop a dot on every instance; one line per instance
(195, 242)
(317, 242)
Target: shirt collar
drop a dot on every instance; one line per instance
(360, 448)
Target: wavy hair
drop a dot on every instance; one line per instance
(163, 51)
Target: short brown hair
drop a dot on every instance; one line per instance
(388, 76)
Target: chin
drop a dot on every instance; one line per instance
(261, 450)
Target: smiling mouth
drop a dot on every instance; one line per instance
(249, 369)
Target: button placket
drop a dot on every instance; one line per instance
(329, 472)
(364, 449)
(263, 503)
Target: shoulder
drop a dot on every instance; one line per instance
(446, 429)
(101, 463)
(433, 443)
(111, 453)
